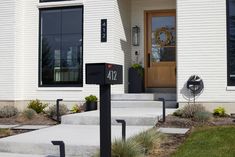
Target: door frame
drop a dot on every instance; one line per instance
(146, 28)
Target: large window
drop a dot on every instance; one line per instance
(61, 47)
(231, 41)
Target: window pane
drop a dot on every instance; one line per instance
(72, 21)
(231, 38)
(71, 55)
(51, 22)
(50, 58)
(163, 38)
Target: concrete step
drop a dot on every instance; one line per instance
(136, 104)
(132, 116)
(166, 96)
(80, 141)
(132, 97)
(171, 104)
(160, 90)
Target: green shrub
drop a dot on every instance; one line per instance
(148, 139)
(202, 116)
(76, 108)
(189, 110)
(91, 98)
(29, 113)
(8, 111)
(219, 111)
(63, 110)
(37, 105)
(178, 113)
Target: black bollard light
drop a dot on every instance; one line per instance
(61, 145)
(163, 109)
(123, 122)
(58, 109)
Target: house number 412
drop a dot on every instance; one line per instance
(112, 75)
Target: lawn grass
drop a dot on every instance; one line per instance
(209, 142)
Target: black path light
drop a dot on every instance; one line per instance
(61, 146)
(104, 75)
(123, 122)
(58, 109)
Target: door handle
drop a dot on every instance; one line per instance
(148, 60)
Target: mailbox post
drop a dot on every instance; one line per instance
(105, 75)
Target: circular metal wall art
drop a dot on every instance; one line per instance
(195, 84)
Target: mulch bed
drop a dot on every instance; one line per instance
(39, 119)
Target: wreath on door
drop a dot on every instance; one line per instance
(168, 36)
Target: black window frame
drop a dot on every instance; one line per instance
(39, 49)
(229, 81)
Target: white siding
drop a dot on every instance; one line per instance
(202, 48)
(137, 18)
(7, 49)
(122, 39)
(19, 48)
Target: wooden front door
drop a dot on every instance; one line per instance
(160, 45)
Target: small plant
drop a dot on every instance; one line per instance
(139, 68)
(29, 113)
(178, 113)
(37, 105)
(91, 98)
(8, 111)
(148, 139)
(63, 110)
(219, 111)
(76, 108)
(202, 116)
(189, 110)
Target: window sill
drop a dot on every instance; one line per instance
(60, 88)
(230, 88)
(60, 4)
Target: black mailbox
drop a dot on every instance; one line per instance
(104, 74)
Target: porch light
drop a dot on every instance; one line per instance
(136, 36)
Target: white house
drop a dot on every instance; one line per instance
(45, 44)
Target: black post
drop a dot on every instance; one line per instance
(62, 147)
(123, 122)
(163, 109)
(105, 121)
(58, 109)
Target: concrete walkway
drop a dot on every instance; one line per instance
(80, 140)
(80, 132)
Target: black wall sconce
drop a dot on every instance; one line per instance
(136, 36)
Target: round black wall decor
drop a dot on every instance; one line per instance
(195, 84)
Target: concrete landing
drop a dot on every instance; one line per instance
(80, 140)
(133, 116)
